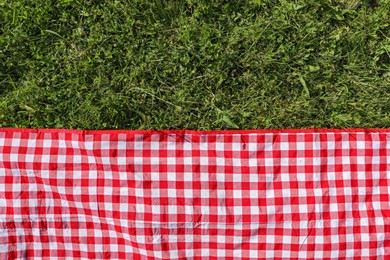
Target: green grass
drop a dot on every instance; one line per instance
(207, 64)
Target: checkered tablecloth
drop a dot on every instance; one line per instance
(299, 194)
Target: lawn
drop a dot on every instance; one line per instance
(207, 64)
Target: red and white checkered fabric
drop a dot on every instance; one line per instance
(314, 194)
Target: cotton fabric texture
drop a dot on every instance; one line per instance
(246, 194)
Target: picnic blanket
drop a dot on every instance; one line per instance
(245, 194)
